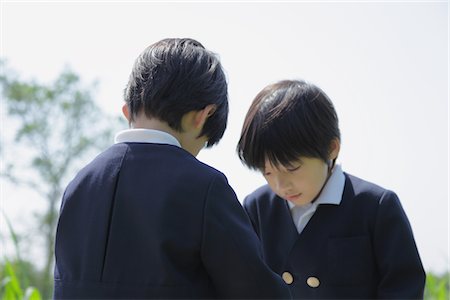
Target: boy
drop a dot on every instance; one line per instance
(146, 219)
(329, 234)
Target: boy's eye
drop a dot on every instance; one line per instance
(266, 173)
(293, 169)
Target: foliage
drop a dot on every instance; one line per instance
(15, 274)
(437, 287)
(10, 287)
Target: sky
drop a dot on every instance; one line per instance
(383, 64)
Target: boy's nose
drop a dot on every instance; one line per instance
(282, 184)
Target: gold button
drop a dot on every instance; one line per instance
(287, 277)
(313, 282)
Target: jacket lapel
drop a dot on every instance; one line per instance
(283, 235)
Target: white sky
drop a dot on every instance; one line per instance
(384, 65)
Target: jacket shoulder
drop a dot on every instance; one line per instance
(261, 196)
(262, 191)
(104, 162)
(361, 187)
(104, 167)
(362, 193)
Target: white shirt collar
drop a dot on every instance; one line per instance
(333, 189)
(142, 135)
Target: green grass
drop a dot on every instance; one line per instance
(10, 285)
(11, 289)
(437, 287)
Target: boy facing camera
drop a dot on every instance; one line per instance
(146, 219)
(329, 234)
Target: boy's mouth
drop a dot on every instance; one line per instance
(293, 197)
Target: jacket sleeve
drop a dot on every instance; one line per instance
(249, 207)
(231, 251)
(399, 265)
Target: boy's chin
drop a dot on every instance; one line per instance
(298, 200)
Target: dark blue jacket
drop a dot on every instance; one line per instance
(151, 221)
(361, 249)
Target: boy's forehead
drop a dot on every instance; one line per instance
(276, 165)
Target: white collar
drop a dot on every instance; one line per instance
(143, 135)
(333, 189)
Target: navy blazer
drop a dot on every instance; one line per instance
(151, 221)
(363, 248)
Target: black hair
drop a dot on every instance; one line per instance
(288, 120)
(175, 76)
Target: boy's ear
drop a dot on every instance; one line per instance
(202, 115)
(335, 146)
(126, 112)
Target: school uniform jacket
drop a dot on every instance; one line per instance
(363, 248)
(147, 220)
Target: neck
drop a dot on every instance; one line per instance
(183, 138)
(155, 124)
(329, 172)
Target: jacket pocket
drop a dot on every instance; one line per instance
(350, 261)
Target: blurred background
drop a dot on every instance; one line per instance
(64, 66)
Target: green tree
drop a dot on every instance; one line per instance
(60, 126)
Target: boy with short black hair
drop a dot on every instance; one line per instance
(145, 219)
(329, 234)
